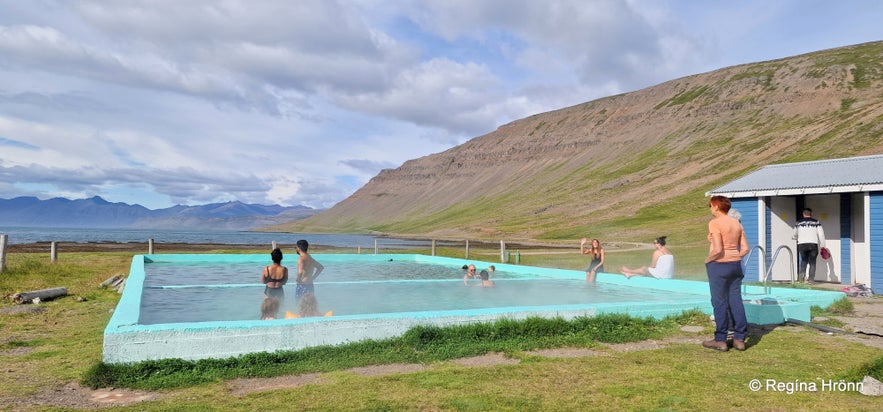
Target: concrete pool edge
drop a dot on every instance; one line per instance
(126, 341)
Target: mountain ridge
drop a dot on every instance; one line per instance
(96, 212)
(630, 166)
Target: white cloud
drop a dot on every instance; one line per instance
(303, 102)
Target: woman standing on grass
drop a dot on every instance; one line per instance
(724, 268)
(597, 264)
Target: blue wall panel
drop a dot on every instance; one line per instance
(845, 252)
(748, 208)
(875, 237)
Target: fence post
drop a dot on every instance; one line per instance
(150, 246)
(433, 247)
(273, 246)
(3, 253)
(53, 252)
(467, 248)
(503, 252)
(375, 246)
(518, 256)
(359, 250)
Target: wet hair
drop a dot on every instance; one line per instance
(308, 305)
(661, 240)
(491, 267)
(722, 202)
(303, 245)
(276, 255)
(269, 307)
(465, 267)
(484, 275)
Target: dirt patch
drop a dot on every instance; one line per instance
(635, 346)
(380, 370)
(18, 310)
(248, 385)
(74, 396)
(568, 353)
(490, 359)
(16, 351)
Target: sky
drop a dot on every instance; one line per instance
(302, 102)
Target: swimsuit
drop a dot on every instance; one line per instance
(303, 289)
(596, 261)
(276, 292)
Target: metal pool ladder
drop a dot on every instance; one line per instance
(769, 271)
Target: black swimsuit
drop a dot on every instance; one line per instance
(277, 292)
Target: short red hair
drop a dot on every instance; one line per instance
(721, 202)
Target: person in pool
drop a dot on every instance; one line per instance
(662, 264)
(308, 269)
(597, 252)
(269, 308)
(486, 282)
(275, 276)
(469, 274)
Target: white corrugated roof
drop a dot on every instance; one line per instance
(849, 175)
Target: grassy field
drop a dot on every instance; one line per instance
(42, 352)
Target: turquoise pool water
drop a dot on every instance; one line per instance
(207, 306)
(204, 291)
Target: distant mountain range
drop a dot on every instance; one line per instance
(96, 212)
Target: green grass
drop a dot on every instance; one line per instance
(45, 351)
(423, 345)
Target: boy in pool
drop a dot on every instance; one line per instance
(485, 279)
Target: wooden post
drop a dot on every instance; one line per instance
(359, 250)
(150, 246)
(375, 246)
(273, 246)
(53, 252)
(467, 248)
(3, 252)
(433, 247)
(502, 251)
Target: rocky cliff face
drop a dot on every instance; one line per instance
(624, 165)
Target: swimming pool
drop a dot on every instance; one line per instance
(208, 306)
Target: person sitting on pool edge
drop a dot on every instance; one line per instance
(485, 279)
(662, 265)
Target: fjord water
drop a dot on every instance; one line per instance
(26, 235)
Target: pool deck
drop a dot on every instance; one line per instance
(127, 341)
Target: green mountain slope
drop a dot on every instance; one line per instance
(631, 166)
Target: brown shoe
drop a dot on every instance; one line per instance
(738, 344)
(713, 344)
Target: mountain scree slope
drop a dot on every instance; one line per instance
(631, 166)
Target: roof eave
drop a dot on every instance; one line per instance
(823, 190)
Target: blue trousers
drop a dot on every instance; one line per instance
(725, 284)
